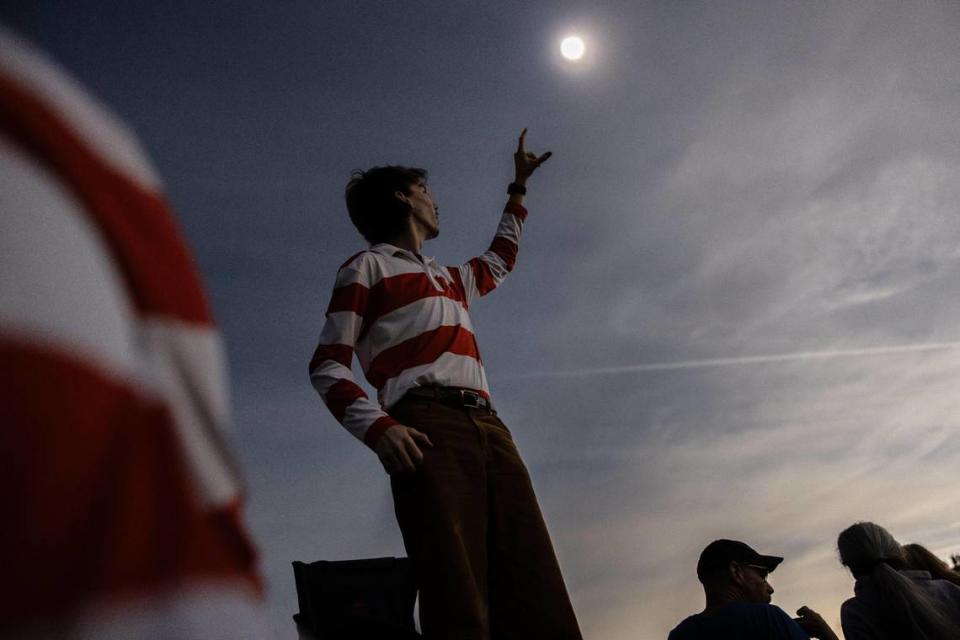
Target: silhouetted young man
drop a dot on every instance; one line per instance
(734, 579)
(463, 498)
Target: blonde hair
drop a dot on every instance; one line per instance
(872, 553)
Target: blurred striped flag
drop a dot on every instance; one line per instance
(121, 504)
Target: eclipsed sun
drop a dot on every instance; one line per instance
(572, 48)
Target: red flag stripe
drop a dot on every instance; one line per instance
(160, 275)
(94, 508)
(422, 349)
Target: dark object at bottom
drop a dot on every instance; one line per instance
(356, 599)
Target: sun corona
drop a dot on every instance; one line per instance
(572, 48)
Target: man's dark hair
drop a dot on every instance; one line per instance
(373, 207)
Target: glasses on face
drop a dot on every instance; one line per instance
(763, 572)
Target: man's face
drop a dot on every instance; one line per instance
(753, 583)
(423, 210)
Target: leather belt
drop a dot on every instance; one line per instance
(451, 396)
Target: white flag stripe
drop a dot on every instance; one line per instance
(80, 304)
(103, 132)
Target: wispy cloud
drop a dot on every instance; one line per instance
(820, 445)
(736, 302)
(798, 356)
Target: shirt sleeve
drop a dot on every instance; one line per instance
(483, 274)
(784, 626)
(330, 371)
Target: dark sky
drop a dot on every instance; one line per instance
(736, 307)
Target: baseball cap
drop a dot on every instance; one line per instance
(720, 553)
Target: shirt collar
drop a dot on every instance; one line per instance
(389, 250)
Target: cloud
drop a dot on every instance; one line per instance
(733, 313)
(736, 361)
(804, 450)
(736, 273)
(817, 179)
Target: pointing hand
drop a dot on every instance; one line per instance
(526, 162)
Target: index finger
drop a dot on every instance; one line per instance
(523, 134)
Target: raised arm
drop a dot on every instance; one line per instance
(483, 274)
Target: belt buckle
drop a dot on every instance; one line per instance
(471, 399)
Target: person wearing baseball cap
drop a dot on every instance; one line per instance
(734, 579)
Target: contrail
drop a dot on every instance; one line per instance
(739, 360)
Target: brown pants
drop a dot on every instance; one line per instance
(473, 528)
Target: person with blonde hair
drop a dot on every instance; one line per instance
(892, 600)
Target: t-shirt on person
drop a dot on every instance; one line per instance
(740, 621)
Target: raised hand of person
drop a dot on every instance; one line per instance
(814, 624)
(526, 162)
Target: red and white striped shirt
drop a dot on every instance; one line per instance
(406, 318)
(121, 504)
